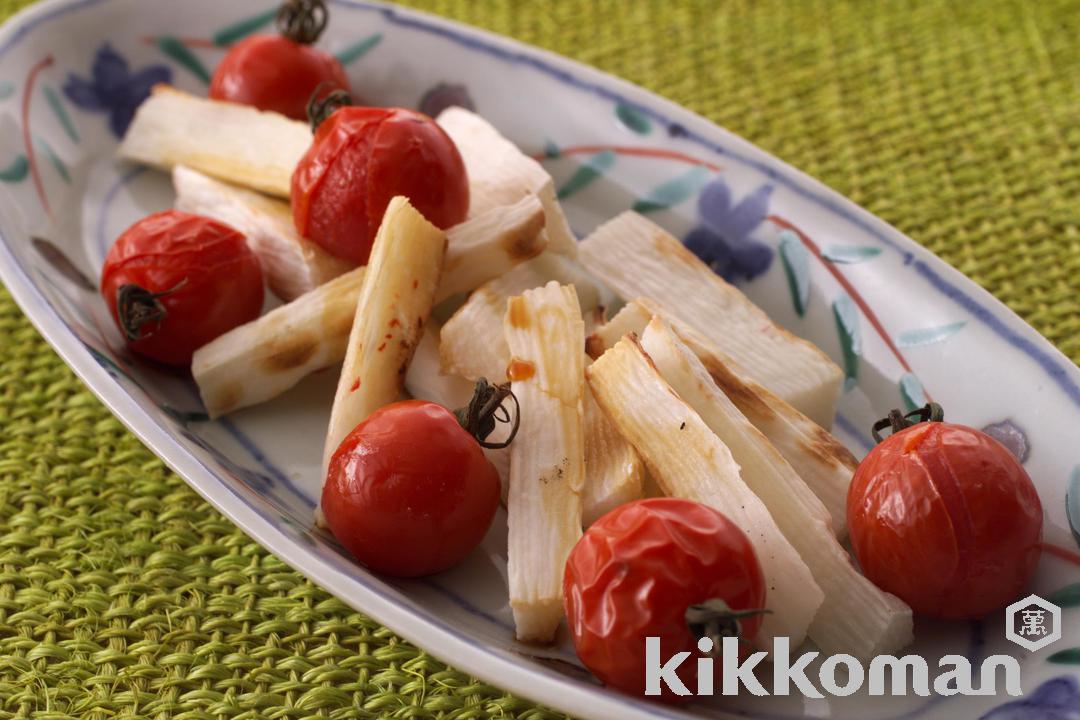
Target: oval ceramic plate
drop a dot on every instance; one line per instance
(902, 324)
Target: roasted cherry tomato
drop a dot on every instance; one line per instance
(175, 281)
(662, 567)
(944, 517)
(360, 158)
(281, 72)
(409, 491)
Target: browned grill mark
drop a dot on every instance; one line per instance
(227, 398)
(290, 352)
(744, 396)
(337, 318)
(523, 243)
(594, 346)
(826, 449)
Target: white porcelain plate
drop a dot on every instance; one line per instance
(902, 324)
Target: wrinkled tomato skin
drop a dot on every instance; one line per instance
(409, 492)
(635, 572)
(271, 72)
(359, 159)
(216, 280)
(945, 518)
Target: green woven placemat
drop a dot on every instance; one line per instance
(122, 593)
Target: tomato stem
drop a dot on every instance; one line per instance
(483, 411)
(302, 21)
(714, 619)
(897, 421)
(136, 306)
(319, 107)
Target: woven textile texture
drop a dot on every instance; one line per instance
(124, 594)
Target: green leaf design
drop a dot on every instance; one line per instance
(6, 90)
(847, 325)
(1066, 597)
(674, 191)
(848, 254)
(179, 52)
(928, 336)
(61, 114)
(796, 260)
(47, 150)
(16, 170)
(1065, 657)
(911, 390)
(590, 170)
(633, 118)
(357, 50)
(1072, 504)
(242, 28)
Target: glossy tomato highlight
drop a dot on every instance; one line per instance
(659, 567)
(946, 518)
(359, 159)
(281, 72)
(175, 281)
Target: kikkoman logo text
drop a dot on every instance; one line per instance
(1032, 623)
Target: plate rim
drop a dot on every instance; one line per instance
(422, 628)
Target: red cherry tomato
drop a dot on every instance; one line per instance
(281, 72)
(409, 491)
(360, 158)
(945, 518)
(635, 573)
(273, 73)
(174, 282)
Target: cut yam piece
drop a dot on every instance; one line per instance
(261, 359)
(490, 244)
(500, 174)
(614, 472)
(229, 141)
(546, 335)
(636, 258)
(395, 301)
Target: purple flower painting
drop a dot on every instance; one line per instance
(113, 88)
(1057, 699)
(722, 238)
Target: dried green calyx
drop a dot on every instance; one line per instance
(897, 420)
(302, 21)
(320, 106)
(485, 410)
(715, 620)
(137, 307)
